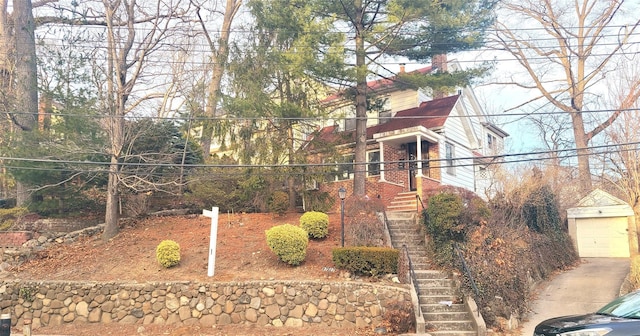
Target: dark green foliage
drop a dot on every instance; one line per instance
(316, 200)
(279, 202)
(227, 186)
(61, 202)
(315, 223)
(162, 152)
(366, 260)
(288, 242)
(450, 214)
(540, 210)
(444, 225)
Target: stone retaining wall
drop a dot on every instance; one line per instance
(14, 238)
(55, 225)
(294, 303)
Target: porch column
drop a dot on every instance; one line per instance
(382, 161)
(419, 166)
(419, 156)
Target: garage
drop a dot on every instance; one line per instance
(602, 226)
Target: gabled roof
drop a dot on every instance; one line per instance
(431, 115)
(599, 197)
(379, 85)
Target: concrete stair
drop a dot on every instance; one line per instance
(439, 298)
(404, 201)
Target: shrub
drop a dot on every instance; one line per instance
(315, 223)
(399, 317)
(168, 253)
(9, 216)
(279, 202)
(363, 227)
(366, 260)
(315, 200)
(288, 242)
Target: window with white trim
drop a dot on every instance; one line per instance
(492, 142)
(373, 166)
(449, 153)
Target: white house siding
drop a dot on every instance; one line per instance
(455, 133)
(475, 118)
(402, 100)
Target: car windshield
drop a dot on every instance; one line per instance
(627, 306)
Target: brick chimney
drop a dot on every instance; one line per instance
(402, 68)
(439, 64)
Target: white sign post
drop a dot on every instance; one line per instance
(213, 214)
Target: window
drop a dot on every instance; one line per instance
(492, 142)
(384, 116)
(449, 155)
(349, 124)
(373, 168)
(344, 169)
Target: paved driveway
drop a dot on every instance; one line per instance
(584, 289)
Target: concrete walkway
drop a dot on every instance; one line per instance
(584, 289)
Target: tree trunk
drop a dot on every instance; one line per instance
(26, 84)
(584, 169)
(291, 179)
(361, 104)
(113, 196)
(220, 63)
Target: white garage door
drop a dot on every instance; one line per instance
(602, 237)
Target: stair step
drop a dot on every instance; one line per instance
(447, 316)
(451, 325)
(427, 308)
(452, 333)
(438, 299)
(426, 283)
(430, 274)
(437, 291)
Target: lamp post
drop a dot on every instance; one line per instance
(342, 193)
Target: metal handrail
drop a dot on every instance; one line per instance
(412, 272)
(466, 269)
(419, 202)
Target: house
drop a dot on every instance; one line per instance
(414, 143)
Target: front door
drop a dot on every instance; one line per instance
(412, 158)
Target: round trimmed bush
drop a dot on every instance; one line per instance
(288, 242)
(168, 253)
(315, 223)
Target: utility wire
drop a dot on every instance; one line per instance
(276, 118)
(487, 160)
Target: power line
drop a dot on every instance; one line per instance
(500, 159)
(276, 118)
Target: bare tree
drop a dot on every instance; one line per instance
(133, 33)
(418, 30)
(622, 159)
(566, 49)
(218, 43)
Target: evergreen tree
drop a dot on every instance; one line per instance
(418, 30)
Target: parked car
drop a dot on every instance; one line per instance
(620, 317)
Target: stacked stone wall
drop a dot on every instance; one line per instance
(338, 304)
(14, 238)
